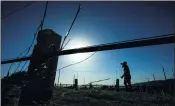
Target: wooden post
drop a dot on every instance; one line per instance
(41, 79)
(117, 85)
(145, 87)
(76, 84)
(59, 77)
(154, 77)
(84, 81)
(173, 73)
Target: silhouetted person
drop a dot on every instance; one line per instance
(127, 76)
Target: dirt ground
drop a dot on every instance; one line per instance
(68, 97)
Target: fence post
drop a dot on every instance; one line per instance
(173, 73)
(76, 84)
(42, 69)
(154, 77)
(117, 85)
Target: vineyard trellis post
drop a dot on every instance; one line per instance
(38, 89)
(117, 85)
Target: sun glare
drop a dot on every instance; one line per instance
(78, 44)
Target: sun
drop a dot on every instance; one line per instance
(78, 44)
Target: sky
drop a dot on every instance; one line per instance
(97, 23)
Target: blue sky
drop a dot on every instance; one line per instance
(97, 23)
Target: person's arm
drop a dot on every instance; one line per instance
(123, 74)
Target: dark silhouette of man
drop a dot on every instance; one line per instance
(127, 76)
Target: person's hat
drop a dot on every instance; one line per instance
(124, 63)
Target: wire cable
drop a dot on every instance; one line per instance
(28, 49)
(19, 62)
(79, 61)
(18, 66)
(10, 67)
(44, 14)
(79, 7)
(74, 20)
(40, 26)
(73, 63)
(26, 68)
(31, 44)
(99, 81)
(66, 44)
(23, 65)
(18, 9)
(62, 47)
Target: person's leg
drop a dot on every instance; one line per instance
(125, 83)
(129, 83)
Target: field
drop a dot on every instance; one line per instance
(69, 97)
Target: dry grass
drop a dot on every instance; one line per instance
(67, 97)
